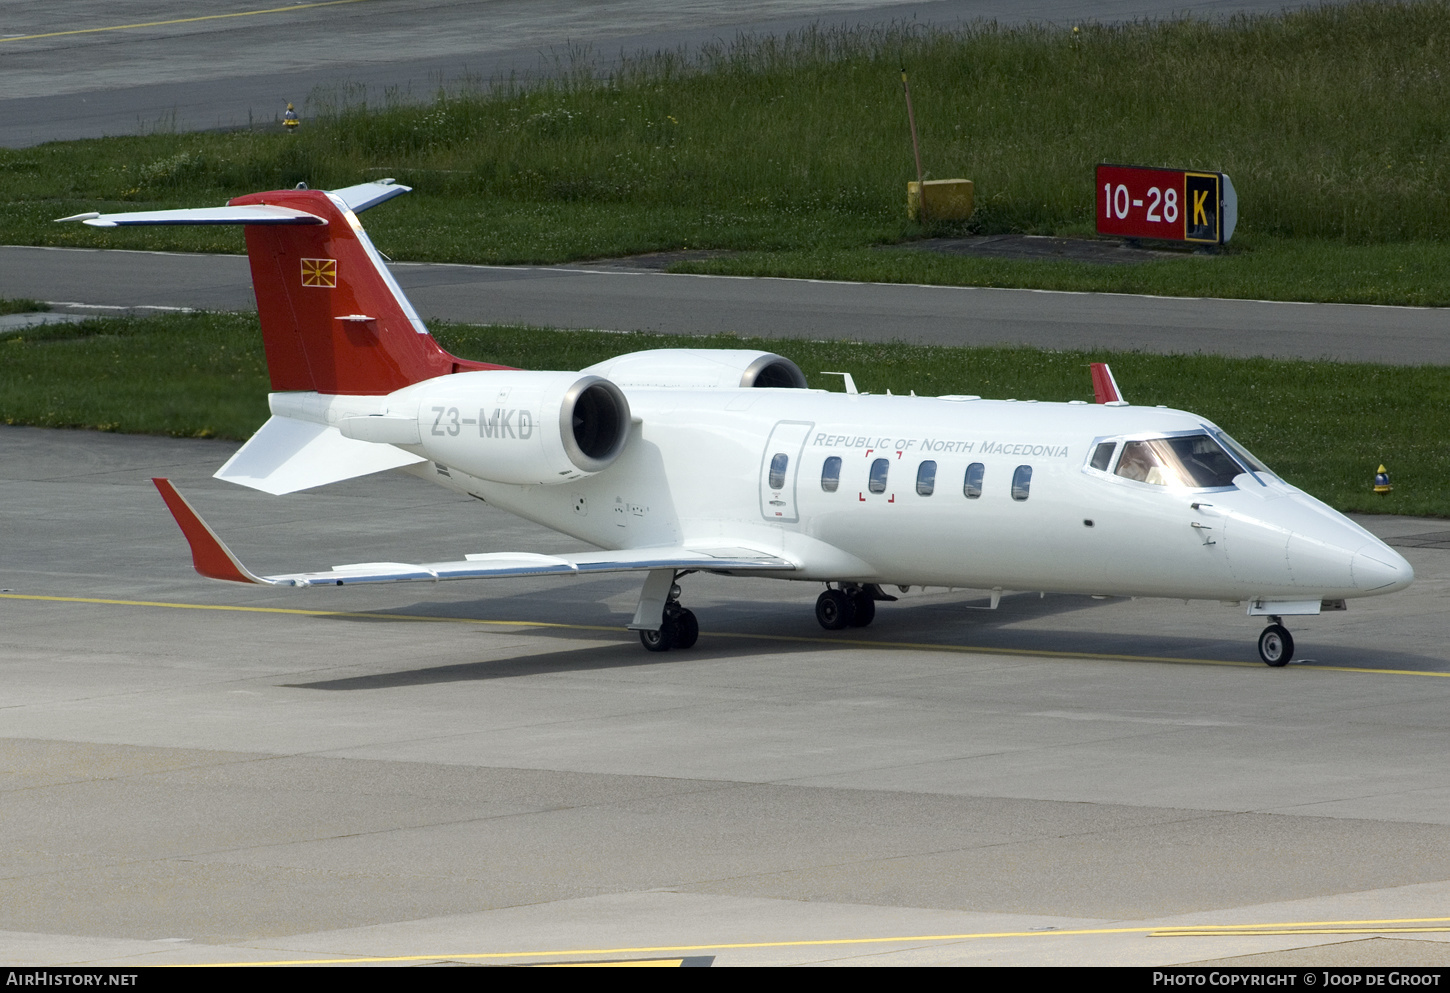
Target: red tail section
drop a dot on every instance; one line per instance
(333, 319)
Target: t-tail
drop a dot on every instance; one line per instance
(334, 321)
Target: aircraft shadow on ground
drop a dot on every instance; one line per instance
(586, 658)
(740, 631)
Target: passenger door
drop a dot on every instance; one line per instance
(779, 467)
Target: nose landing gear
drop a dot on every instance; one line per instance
(1276, 645)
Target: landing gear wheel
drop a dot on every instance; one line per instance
(863, 608)
(834, 609)
(662, 640)
(687, 629)
(1276, 645)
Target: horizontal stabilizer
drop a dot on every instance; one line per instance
(288, 455)
(214, 560)
(357, 198)
(256, 213)
(364, 195)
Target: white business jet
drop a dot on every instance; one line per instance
(675, 461)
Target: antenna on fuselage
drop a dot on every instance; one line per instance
(850, 383)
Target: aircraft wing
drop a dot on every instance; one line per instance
(213, 559)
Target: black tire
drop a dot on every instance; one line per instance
(1276, 646)
(863, 609)
(687, 629)
(659, 641)
(834, 610)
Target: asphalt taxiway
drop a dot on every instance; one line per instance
(85, 69)
(617, 298)
(200, 772)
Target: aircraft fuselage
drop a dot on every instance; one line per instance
(1011, 501)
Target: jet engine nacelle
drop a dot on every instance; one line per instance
(702, 369)
(511, 426)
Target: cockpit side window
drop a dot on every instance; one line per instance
(1103, 456)
(1195, 461)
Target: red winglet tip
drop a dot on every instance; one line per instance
(210, 557)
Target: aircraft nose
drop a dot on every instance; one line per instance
(1378, 568)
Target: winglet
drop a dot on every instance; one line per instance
(211, 558)
(1105, 387)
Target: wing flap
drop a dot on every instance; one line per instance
(516, 565)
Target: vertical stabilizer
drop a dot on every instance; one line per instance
(333, 319)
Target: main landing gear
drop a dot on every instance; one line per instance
(1276, 645)
(847, 607)
(678, 627)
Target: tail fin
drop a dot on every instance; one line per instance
(333, 318)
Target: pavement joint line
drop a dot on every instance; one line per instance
(795, 639)
(1187, 931)
(179, 20)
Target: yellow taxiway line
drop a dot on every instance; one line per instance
(181, 20)
(1399, 925)
(921, 646)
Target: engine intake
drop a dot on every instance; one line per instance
(594, 423)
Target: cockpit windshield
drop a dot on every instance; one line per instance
(1244, 455)
(1195, 460)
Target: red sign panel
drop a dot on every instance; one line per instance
(1170, 204)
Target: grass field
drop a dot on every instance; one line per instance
(1323, 426)
(795, 151)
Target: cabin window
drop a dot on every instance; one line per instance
(1103, 456)
(926, 478)
(831, 474)
(877, 483)
(778, 462)
(1188, 460)
(1021, 482)
(972, 485)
